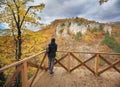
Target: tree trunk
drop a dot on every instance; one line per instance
(19, 43)
(18, 57)
(2, 78)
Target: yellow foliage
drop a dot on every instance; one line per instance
(97, 33)
(104, 48)
(30, 19)
(87, 38)
(22, 12)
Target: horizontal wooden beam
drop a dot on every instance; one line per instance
(28, 58)
(20, 62)
(90, 52)
(32, 64)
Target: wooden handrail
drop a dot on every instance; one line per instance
(21, 61)
(67, 54)
(28, 58)
(90, 52)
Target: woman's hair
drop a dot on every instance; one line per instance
(53, 40)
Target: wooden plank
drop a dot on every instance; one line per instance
(61, 64)
(20, 62)
(42, 60)
(46, 63)
(69, 65)
(28, 58)
(24, 75)
(91, 52)
(32, 64)
(87, 59)
(115, 63)
(96, 64)
(82, 63)
(38, 70)
(109, 63)
(12, 78)
(62, 58)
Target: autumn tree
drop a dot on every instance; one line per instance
(17, 13)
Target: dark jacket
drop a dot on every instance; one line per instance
(52, 50)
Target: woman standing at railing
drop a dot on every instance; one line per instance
(51, 50)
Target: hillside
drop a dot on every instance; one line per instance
(79, 34)
(78, 38)
(81, 37)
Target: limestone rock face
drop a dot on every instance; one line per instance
(108, 29)
(74, 28)
(67, 28)
(94, 25)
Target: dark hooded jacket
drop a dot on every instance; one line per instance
(52, 49)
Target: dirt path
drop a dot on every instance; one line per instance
(78, 78)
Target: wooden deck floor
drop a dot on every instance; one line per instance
(77, 78)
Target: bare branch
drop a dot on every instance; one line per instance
(41, 5)
(13, 13)
(13, 32)
(17, 7)
(14, 35)
(24, 16)
(15, 3)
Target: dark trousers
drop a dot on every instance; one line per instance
(51, 64)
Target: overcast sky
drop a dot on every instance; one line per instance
(89, 9)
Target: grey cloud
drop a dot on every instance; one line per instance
(66, 8)
(89, 9)
(110, 13)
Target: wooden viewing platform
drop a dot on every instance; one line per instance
(70, 70)
(77, 78)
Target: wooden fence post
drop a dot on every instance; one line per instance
(24, 75)
(46, 63)
(96, 64)
(69, 63)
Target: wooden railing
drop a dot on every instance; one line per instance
(22, 67)
(69, 65)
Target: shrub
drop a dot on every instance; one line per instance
(93, 30)
(101, 27)
(78, 35)
(62, 25)
(61, 31)
(111, 42)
